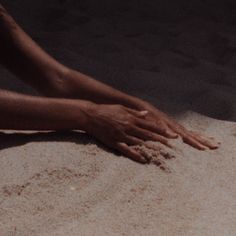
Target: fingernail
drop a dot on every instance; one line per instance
(143, 113)
(169, 145)
(143, 160)
(172, 134)
(216, 144)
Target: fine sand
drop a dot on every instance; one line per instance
(179, 57)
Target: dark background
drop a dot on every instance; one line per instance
(167, 10)
(191, 42)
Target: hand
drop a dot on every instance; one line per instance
(169, 128)
(120, 127)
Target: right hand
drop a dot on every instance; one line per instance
(120, 127)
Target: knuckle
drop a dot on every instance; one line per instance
(150, 136)
(187, 139)
(165, 130)
(118, 107)
(121, 107)
(165, 141)
(139, 141)
(118, 134)
(135, 121)
(127, 124)
(130, 121)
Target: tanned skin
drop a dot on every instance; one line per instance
(71, 100)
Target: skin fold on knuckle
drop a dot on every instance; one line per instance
(150, 136)
(139, 158)
(164, 141)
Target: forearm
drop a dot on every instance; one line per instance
(23, 112)
(24, 57)
(78, 85)
(34, 66)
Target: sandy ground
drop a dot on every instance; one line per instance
(183, 62)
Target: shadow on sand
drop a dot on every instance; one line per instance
(8, 140)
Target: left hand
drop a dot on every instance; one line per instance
(169, 128)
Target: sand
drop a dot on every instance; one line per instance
(180, 57)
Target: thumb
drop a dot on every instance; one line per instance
(143, 113)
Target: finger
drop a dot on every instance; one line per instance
(147, 135)
(186, 136)
(192, 138)
(193, 142)
(139, 114)
(131, 140)
(208, 142)
(160, 128)
(169, 133)
(129, 152)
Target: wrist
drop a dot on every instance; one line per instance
(69, 114)
(83, 115)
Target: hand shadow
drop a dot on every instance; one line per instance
(8, 140)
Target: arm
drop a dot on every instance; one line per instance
(33, 65)
(116, 126)
(24, 112)
(21, 55)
